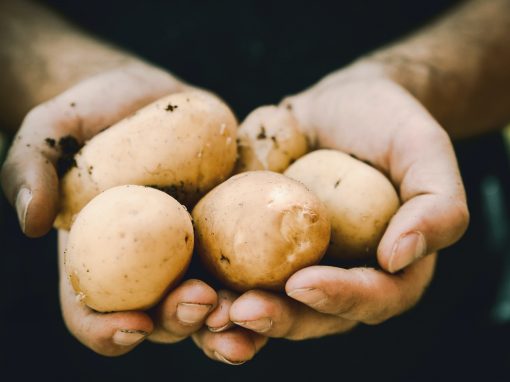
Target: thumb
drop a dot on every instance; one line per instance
(382, 123)
(53, 132)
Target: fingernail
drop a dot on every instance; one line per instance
(261, 325)
(407, 249)
(218, 329)
(23, 200)
(311, 296)
(189, 313)
(127, 337)
(222, 358)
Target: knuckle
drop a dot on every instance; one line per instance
(69, 324)
(162, 336)
(74, 323)
(345, 306)
(198, 286)
(36, 113)
(436, 134)
(292, 328)
(291, 332)
(441, 135)
(381, 314)
(376, 320)
(406, 302)
(297, 336)
(295, 331)
(461, 216)
(86, 337)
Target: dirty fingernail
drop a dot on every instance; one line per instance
(406, 250)
(222, 358)
(219, 329)
(309, 296)
(23, 200)
(189, 313)
(128, 337)
(261, 325)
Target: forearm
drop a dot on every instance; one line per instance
(458, 67)
(41, 55)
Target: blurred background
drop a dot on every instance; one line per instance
(253, 53)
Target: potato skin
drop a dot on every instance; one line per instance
(127, 247)
(269, 139)
(360, 200)
(184, 143)
(258, 228)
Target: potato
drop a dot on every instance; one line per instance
(269, 139)
(360, 200)
(258, 228)
(184, 143)
(127, 247)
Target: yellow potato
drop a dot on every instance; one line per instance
(269, 139)
(184, 144)
(127, 247)
(258, 228)
(360, 200)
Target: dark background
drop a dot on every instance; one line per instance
(253, 53)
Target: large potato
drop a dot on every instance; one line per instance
(269, 139)
(184, 143)
(360, 200)
(127, 247)
(258, 228)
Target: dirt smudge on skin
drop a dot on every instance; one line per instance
(68, 147)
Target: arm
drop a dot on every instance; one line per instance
(62, 82)
(41, 55)
(68, 83)
(385, 108)
(458, 67)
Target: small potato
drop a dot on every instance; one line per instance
(258, 228)
(127, 247)
(360, 200)
(269, 139)
(184, 144)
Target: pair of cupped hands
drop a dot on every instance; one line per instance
(358, 110)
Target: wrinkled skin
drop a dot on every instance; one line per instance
(357, 110)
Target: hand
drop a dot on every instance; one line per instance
(362, 112)
(180, 313)
(359, 110)
(29, 174)
(326, 300)
(223, 341)
(30, 180)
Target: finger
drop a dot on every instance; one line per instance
(55, 130)
(361, 294)
(109, 334)
(396, 134)
(183, 311)
(31, 185)
(434, 213)
(279, 316)
(234, 346)
(219, 319)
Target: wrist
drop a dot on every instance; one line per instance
(413, 75)
(43, 55)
